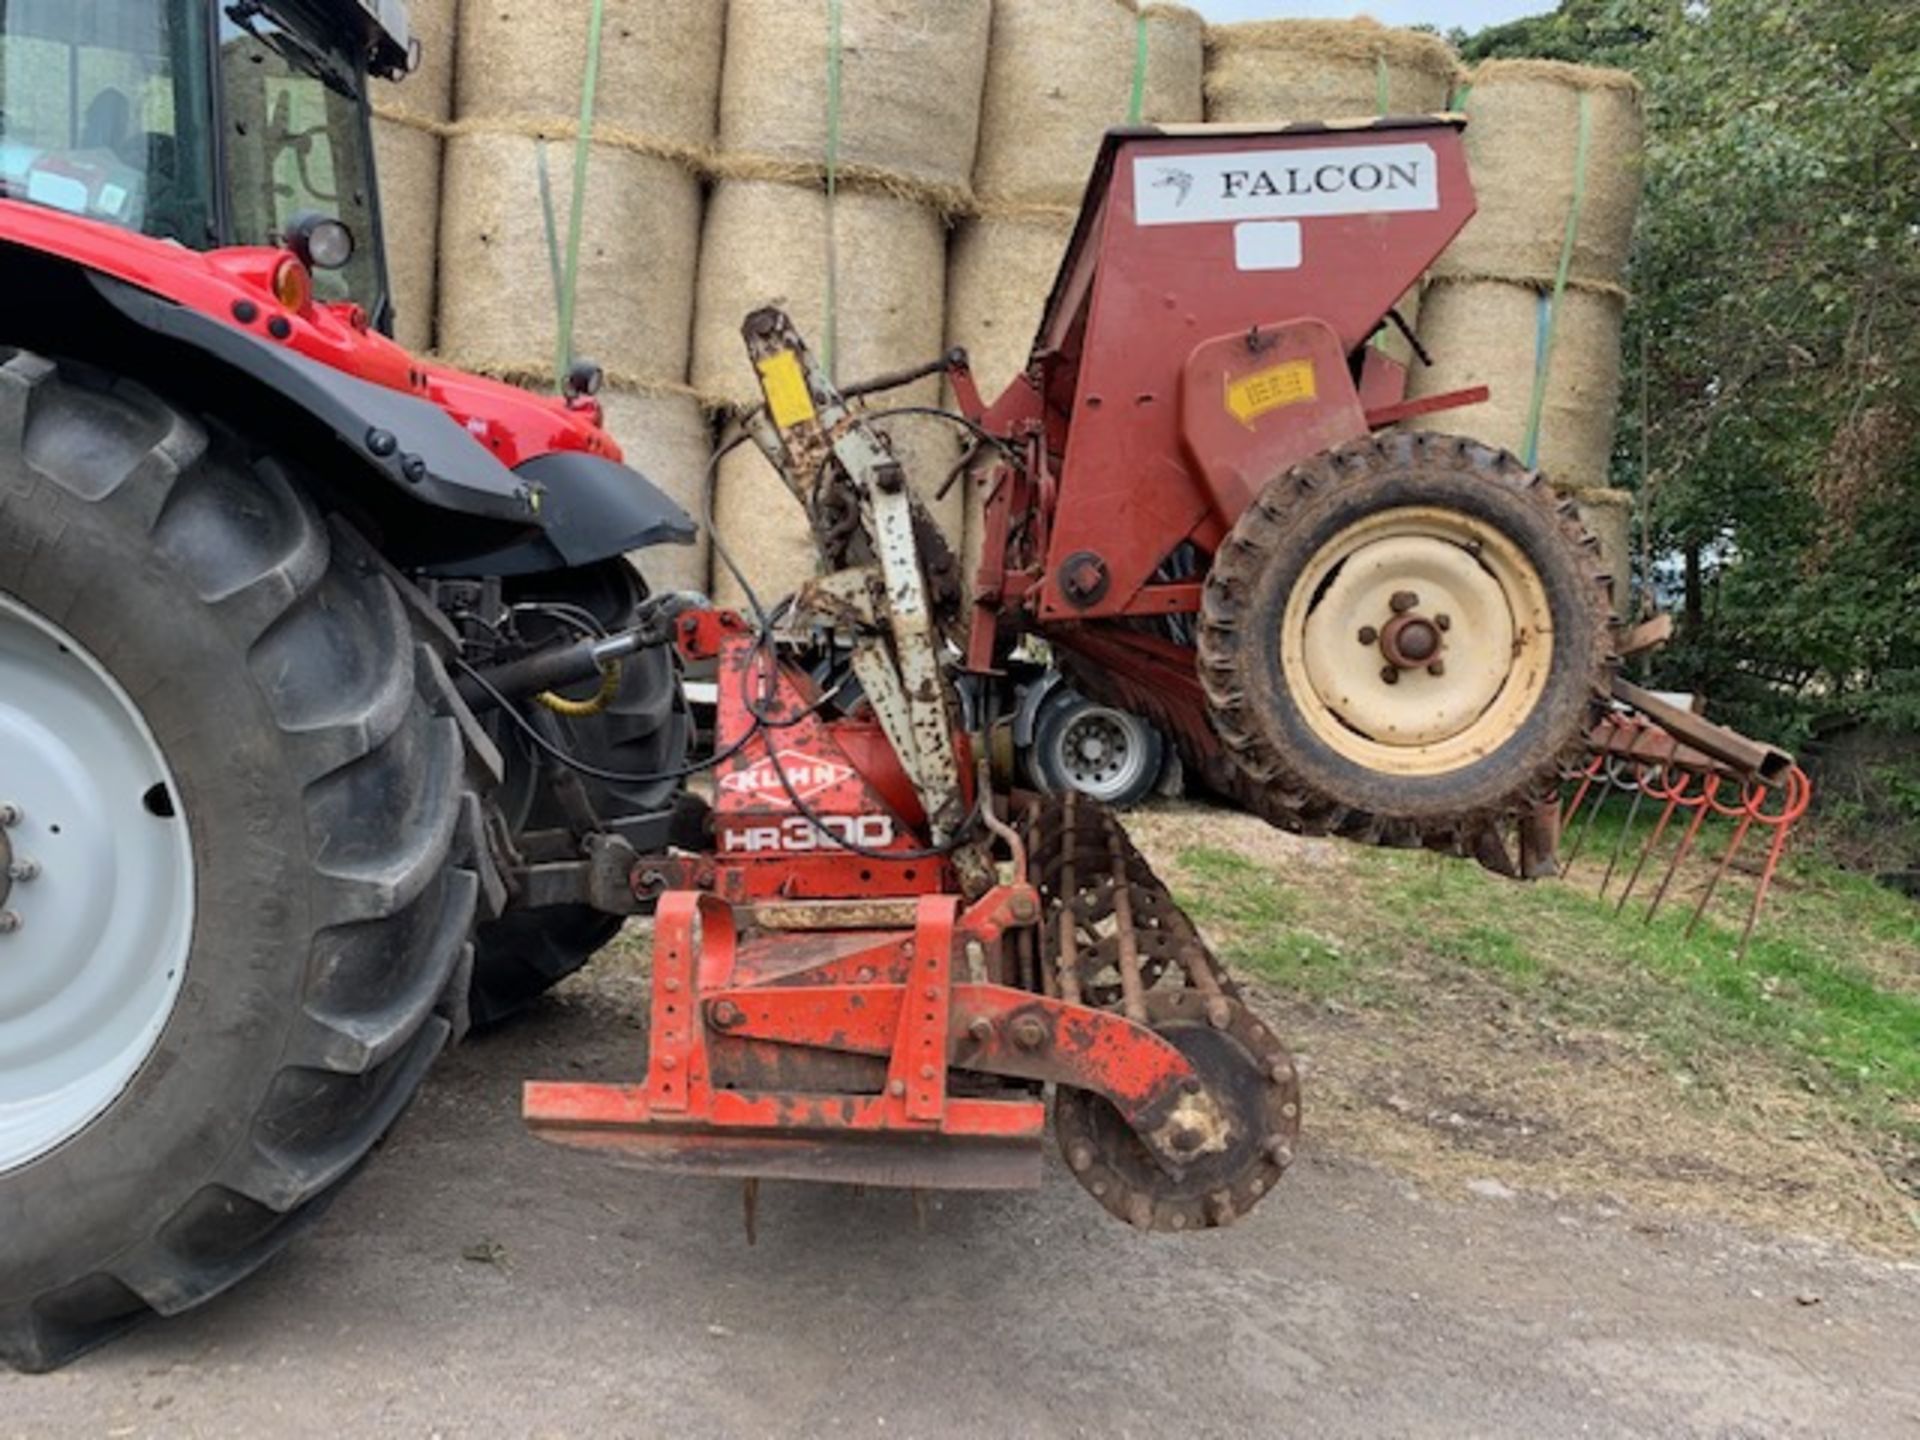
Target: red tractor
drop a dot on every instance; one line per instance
(333, 718)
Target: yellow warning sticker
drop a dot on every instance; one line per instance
(788, 399)
(1252, 396)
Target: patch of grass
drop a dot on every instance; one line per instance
(1825, 999)
(1253, 917)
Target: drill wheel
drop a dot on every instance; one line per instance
(1406, 641)
(1246, 1070)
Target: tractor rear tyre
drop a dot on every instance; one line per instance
(1405, 641)
(645, 731)
(243, 819)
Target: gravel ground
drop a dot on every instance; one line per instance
(477, 1283)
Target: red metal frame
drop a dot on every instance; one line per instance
(235, 287)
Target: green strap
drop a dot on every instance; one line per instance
(550, 225)
(1543, 343)
(1382, 85)
(563, 354)
(1137, 103)
(829, 350)
(1460, 97)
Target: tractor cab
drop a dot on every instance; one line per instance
(204, 122)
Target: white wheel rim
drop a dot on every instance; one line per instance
(1476, 598)
(96, 918)
(1101, 752)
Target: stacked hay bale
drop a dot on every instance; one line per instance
(1060, 73)
(1283, 70)
(522, 67)
(1277, 71)
(840, 158)
(409, 121)
(1528, 300)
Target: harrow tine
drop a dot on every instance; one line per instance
(1720, 870)
(1685, 847)
(1607, 787)
(1633, 810)
(1674, 801)
(1799, 793)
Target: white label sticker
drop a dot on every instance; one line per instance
(1267, 245)
(1284, 184)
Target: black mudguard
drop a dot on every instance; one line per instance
(594, 509)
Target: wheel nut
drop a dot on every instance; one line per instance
(9, 815)
(1368, 635)
(1390, 674)
(981, 1029)
(1080, 1156)
(1438, 667)
(1186, 1139)
(23, 870)
(1029, 1032)
(725, 1014)
(9, 922)
(1403, 601)
(1445, 622)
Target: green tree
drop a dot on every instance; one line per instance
(1772, 408)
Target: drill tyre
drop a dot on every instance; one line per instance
(1296, 764)
(328, 779)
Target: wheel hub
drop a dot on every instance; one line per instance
(96, 887)
(1418, 640)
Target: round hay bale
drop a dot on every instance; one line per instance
(910, 78)
(667, 439)
(1060, 73)
(998, 277)
(1487, 332)
(1523, 146)
(1608, 515)
(1173, 86)
(641, 233)
(659, 66)
(766, 244)
(763, 528)
(426, 94)
(408, 161)
(1282, 70)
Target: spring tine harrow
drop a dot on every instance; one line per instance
(1632, 753)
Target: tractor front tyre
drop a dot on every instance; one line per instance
(1405, 641)
(242, 822)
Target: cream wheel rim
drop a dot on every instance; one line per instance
(1417, 641)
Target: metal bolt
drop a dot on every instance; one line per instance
(1403, 601)
(24, 870)
(1219, 1012)
(9, 922)
(726, 1014)
(1080, 1156)
(1280, 1071)
(1390, 674)
(896, 1088)
(926, 1072)
(1445, 622)
(980, 1028)
(1368, 635)
(1186, 1138)
(9, 815)
(1022, 907)
(1029, 1032)
(1191, 1085)
(1438, 667)
(1279, 1151)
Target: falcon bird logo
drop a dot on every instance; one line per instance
(1181, 180)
